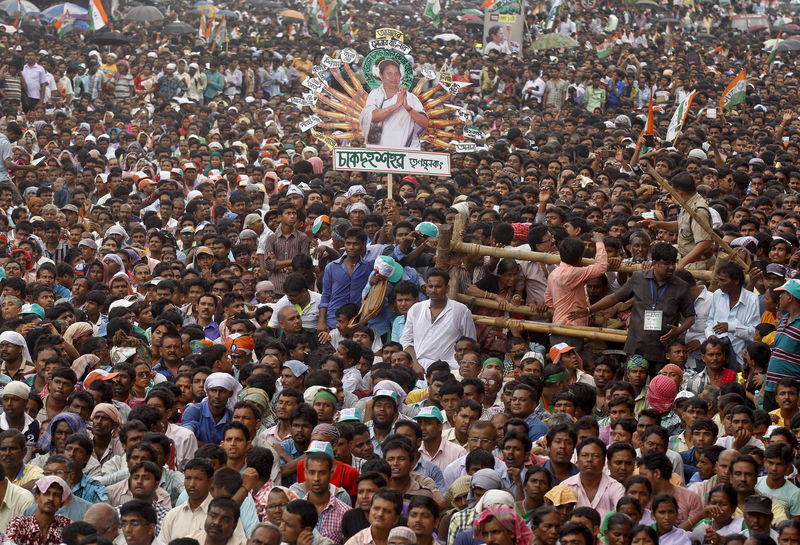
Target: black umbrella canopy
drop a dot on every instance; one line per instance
(788, 45)
(111, 37)
(144, 14)
(177, 27)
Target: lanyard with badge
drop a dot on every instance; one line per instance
(653, 319)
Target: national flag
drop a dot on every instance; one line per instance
(679, 117)
(64, 24)
(670, 45)
(433, 10)
(488, 3)
(317, 20)
(553, 13)
(205, 28)
(97, 15)
(607, 47)
(735, 92)
(774, 54)
(221, 33)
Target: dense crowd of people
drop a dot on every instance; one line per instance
(206, 330)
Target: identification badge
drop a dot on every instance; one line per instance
(653, 320)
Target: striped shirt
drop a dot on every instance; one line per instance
(785, 360)
(284, 247)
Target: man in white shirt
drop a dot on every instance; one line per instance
(696, 334)
(734, 310)
(433, 326)
(304, 300)
(35, 77)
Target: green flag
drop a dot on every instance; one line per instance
(433, 10)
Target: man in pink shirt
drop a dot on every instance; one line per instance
(595, 489)
(658, 470)
(565, 285)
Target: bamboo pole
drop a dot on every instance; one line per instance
(389, 185)
(550, 259)
(491, 303)
(697, 217)
(594, 334)
(455, 264)
(442, 259)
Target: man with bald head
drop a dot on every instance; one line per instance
(493, 383)
(106, 520)
(289, 321)
(265, 533)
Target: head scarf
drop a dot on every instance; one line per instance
(197, 346)
(108, 410)
(85, 363)
(459, 487)
(257, 396)
(487, 479)
(675, 369)
(44, 483)
(393, 386)
(240, 346)
(76, 424)
(123, 275)
(327, 430)
(636, 361)
(78, 329)
(224, 380)
(116, 259)
(494, 497)
(509, 519)
(16, 339)
(661, 393)
(316, 165)
(403, 532)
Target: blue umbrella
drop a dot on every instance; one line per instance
(54, 12)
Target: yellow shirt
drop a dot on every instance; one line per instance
(14, 503)
(777, 415)
(29, 473)
(416, 396)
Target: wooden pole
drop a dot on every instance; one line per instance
(388, 184)
(442, 259)
(698, 218)
(594, 334)
(550, 259)
(455, 261)
(491, 303)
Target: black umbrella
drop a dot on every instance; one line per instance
(111, 37)
(788, 45)
(177, 27)
(143, 14)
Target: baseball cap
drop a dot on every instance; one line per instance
(388, 267)
(97, 374)
(320, 446)
(533, 355)
(758, 504)
(32, 309)
(386, 393)
(791, 286)
(89, 243)
(318, 222)
(69, 208)
(776, 269)
(428, 229)
(349, 415)
(430, 412)
(557, 350)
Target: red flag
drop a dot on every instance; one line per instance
(648, 127)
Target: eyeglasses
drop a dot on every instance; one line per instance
(273, 506)
(57, 472)
(132, 523)
(490, 382)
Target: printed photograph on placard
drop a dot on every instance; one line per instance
(393, 116)
(502, 27)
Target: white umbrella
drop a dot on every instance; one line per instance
(447, 37)
(22, 7)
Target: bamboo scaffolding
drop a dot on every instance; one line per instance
(595, 334)
(701, 221)
(491, 303)
(550, 259)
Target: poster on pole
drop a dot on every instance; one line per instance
(502, 27)
(396, 161)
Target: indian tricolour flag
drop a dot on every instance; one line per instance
(679, 117)
(607, 47)
(735, 92)
(97, 15)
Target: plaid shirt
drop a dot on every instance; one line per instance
(25, 531)
(460, 521)
(161, 512)
(330, 520)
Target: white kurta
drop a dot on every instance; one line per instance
(399, 130)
